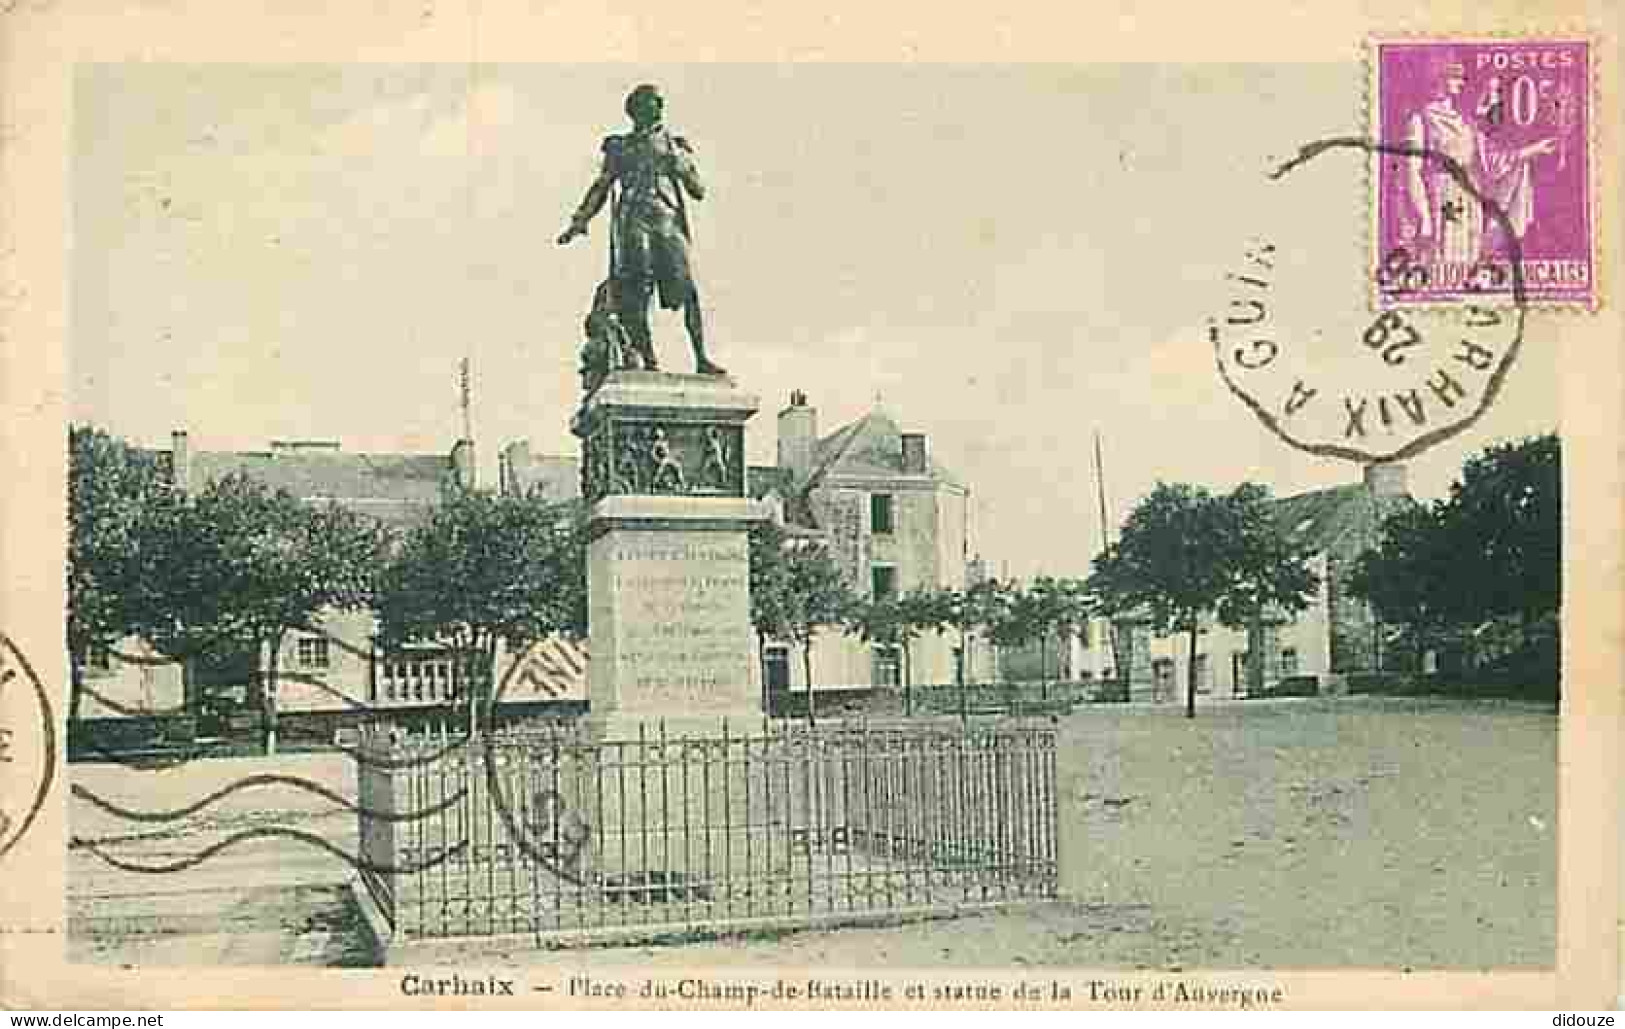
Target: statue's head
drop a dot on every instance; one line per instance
(644, 105)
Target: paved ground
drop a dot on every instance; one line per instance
(1387, 833)
(258, 902)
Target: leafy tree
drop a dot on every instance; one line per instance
(819, 596)
(253, 564)
(1185, 553)
(1050, 610)
(1505, 512)
(1013, 620)
(796, 589)
(1058, 609)
(118, 564)
(1271, 574)
(484, 569)
(1410, 578)
(976, 608)
(769, 584)
(1491, 549)
(897, 622)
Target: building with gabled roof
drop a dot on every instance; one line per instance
(895, 521)
(1336, 635)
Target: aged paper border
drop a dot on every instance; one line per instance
(43, 40)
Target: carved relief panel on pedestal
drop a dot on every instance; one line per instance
(625, 456)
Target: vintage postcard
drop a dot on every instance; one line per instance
(549, 509)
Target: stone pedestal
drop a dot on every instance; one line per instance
(668, 569)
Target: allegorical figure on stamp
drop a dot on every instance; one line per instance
(647, 176)
(1447, 222)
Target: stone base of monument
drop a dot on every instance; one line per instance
(673, 653)
(668, 562)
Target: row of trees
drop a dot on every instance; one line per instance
(798, 591)
(240, 566)
(1487, 556)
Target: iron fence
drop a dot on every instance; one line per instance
(552, 833)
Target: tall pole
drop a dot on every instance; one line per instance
(1112, 634)
(465, 400)
(1100, 488)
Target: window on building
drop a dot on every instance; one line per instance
(881, 520)
(311, 652)
(888, 666)
(883, 581)
(776, 667)
(1289, 661)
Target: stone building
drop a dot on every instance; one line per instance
(895, 520)
(338, 666)
(1336, 635)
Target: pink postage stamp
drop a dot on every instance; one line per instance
(1484, 170)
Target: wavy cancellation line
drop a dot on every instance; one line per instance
(130, 814)
(312, 839)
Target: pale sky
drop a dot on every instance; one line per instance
(1009, 257)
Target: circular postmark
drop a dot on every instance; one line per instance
(539, 819)
(1382, 386)
(27, 744)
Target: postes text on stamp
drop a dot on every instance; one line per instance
(1515, 115)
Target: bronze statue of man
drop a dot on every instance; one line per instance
(649, 174)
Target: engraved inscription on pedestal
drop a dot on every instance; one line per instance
(671, 622)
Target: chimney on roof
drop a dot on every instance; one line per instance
(180, 460)
(462, 463)
(798, 434)
(1386, 479)
(916, 461)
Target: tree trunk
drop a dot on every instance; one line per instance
(1190, 676)
(806, 668)
(1043, 667)
(76, 688)
(761, 672)
(485, 701)
(959, 675)
(908, 676)
(268, 691)
(1255, 654)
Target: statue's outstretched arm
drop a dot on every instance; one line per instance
(591, 203)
